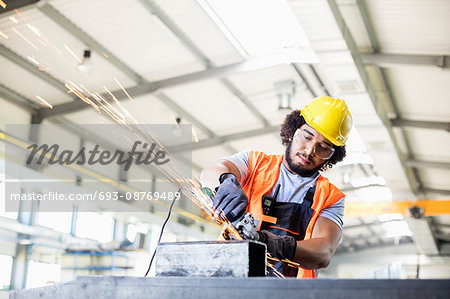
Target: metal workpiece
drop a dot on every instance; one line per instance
(211, 259)
(247, 228)
(256, 287)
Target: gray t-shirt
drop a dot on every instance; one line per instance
(293, 187)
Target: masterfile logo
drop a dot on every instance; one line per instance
(146, 156)
(106, 167)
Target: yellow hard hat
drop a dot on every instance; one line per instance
(330, 117)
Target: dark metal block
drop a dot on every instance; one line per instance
(211, 259)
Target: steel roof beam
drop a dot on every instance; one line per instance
(435, 191)
(147, 88)
(178, 109)
(421, 124)
(17, 99)
(233, 89)
(428, 164)
(219, 140)
(392, 60)
(411, 173)
(266, 130)
(304, 79)
(25, 64)
(321, 83)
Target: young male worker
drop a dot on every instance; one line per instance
(303, 222)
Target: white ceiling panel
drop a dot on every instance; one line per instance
(421, 93)
(429, 145)
(435, 178)
(411, 26)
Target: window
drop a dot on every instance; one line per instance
(5, 271)
(41, 274)
(59, 221)
(95, 226)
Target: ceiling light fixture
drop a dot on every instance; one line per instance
(284, 90)
(86, 64)
(176, 130)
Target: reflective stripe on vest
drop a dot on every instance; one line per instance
(263, 175)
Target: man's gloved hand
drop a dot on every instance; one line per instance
(230, 198)
(280, 247)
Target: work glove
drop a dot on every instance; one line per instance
(230, 198)
(279, 247)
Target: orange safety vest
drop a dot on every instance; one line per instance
(263, 175)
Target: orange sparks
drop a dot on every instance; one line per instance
(104, 54)
(204, 202)
(24, 38)
(44, 102)
(2, 4)
(194, 135)
(117, 81)
(275, 271)
(73, 54)
(34, 29)
(4, 35)
(119, 104)
(77, 91)
(20, 14)
(13, 19)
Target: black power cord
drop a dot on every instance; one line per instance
(160, 235)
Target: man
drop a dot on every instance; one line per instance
(300, 217)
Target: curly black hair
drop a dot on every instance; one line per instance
(292, 122)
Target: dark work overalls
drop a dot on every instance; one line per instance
(292, 220)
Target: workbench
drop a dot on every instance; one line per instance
(253, 287)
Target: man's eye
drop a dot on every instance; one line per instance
(324, 147)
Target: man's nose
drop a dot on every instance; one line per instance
(310, 149)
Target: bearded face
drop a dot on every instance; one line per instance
(300, 156)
